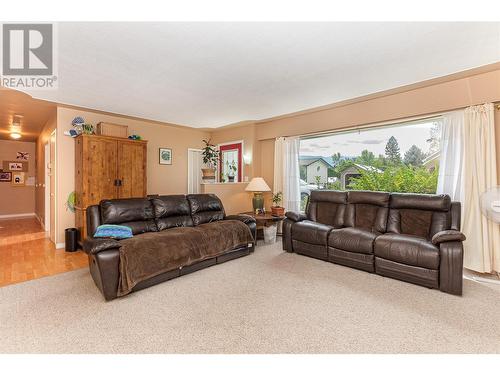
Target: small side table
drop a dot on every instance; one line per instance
(268, 223)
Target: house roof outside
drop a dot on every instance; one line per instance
(358, 167)
(432, 157)
(368, 168)
(308, 160)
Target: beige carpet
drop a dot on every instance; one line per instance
(268, 302)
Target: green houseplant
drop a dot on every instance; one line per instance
(231, 170)
(276, 209)
(210, 158)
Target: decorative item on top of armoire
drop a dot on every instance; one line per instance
(112, 130)
(276, 209)
(107, 168)
(210, 158)
(165, 155)
(77, 124)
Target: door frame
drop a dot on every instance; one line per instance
(190, 166)
(46, 171)
(53, 199)
(241, 149)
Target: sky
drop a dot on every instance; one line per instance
(352, 143)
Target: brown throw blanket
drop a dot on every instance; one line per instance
(153, 253)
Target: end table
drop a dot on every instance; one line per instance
(268, 223)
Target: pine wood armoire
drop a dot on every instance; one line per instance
(107, 168)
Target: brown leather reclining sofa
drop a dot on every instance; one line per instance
(157, 214)
(410, 237)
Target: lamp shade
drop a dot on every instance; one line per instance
(257, 184)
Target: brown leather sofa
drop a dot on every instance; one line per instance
(154, 214)
(410, 237)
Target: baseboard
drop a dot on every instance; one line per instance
(40, 220)
(17, 216)
(60, 245)
(480, 279)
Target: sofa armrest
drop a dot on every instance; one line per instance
(448, 236)
(296, 216)
(93, 245)
(451, 264)
(244, 218)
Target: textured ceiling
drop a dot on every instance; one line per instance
(35, 114)
(214, 74)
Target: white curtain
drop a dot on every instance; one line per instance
(451, 161)
(467, 169)
(286, 171)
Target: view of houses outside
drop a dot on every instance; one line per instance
(402, 158)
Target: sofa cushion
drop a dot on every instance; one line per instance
(205, 208)
(356, 240)
(311, 232)
(136, 213)
(172, 211)
(420, 215)
(428, 202)
(407, 249)
(327, 207)
(367, 210)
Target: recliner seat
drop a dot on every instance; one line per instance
(310, 234)
(411, 237)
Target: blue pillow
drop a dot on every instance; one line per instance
(113, 231)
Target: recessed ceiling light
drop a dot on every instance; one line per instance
(15, 135)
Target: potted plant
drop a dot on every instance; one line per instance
(231, 170)
(276, 209)
(210, 158)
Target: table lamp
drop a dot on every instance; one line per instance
(257, 186)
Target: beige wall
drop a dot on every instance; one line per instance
(43, 139)
(162, 179)
(240, 133)
(233, 196)
(17, 200)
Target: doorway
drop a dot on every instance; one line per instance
(195, 163)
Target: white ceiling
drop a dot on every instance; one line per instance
(214, 74)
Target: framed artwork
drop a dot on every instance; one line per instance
(22, 155)
(18, 179)
(15, 166)
(166, 156)
(5, 176)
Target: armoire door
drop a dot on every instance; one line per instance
(132, 169)
(102, 171)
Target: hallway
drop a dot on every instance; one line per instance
(26, 253)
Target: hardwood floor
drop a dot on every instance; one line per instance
(26, 253)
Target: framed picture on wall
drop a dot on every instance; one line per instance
(5, 176)
(18, 179)
(166, 156)
(15, 166)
